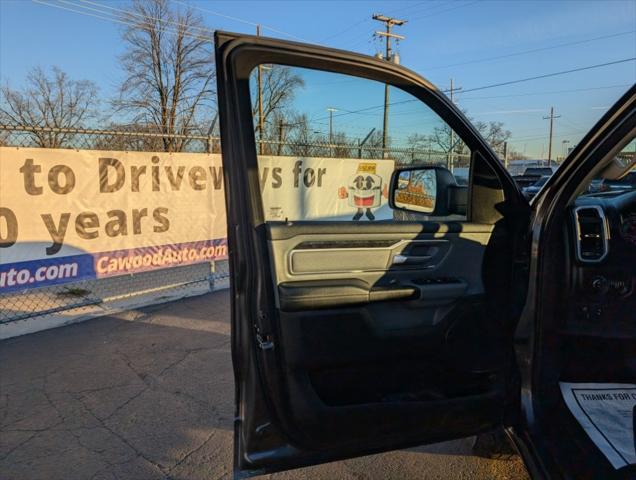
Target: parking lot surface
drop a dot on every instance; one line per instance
(148, 394)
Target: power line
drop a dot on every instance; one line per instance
(572, 124)
(410, 112)
(542, 137)
(529, 94)
(429, 13)
(511, 82)
(366, 20)
(355, 42)
(364, 39)
(447, 10)
(547, 75)
(127, 13)
(241, 20)
(508, 112)
(534, 50)
(122, 21)
(428, 9)
(408, 7)
(349, 28)
(112, 18)
(565, 130)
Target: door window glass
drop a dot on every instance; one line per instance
(625, 164)
(328, 144)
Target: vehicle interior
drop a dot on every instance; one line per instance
(588, 330)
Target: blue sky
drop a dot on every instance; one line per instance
(444, 39)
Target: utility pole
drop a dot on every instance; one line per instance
(505, 154)
(331, 110)
(210, 132)
(281, 125)
(388, 35)
(261, 120)
(449, 160)
(551, 118)
(281, 135)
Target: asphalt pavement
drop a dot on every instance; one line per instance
(148, 394)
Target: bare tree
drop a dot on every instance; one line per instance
(279, 85)
(343, 145)
(418, 141)
(447, 141)
(128, 137)
(373, 146)
(301, 137)
(169, 71)
(494, 133)
(277, 132)
(52, 100)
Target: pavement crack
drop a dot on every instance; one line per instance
(33, 430)
(100, 389)
(8, 454)
(4, 408)
(192, 452)
(174, 364)
(135, 396)
(53, 405)
(142, 376)
(123, 439)
(182, 359)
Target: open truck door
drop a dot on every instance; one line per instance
(358, 329)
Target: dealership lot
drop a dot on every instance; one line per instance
(147, 394)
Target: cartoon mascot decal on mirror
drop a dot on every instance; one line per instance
(364, 191)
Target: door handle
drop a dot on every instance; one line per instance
(410, 259)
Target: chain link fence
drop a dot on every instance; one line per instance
(101, 295)
(88, 295)
(401, 156)
(140, 141)
(133, 140)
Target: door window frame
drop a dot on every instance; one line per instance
(355, 65)
(256, 362)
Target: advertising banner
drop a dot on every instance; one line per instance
(326, 189)
(68, 215)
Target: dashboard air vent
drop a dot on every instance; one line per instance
(591, 234)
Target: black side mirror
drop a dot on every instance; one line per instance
(428, 190)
